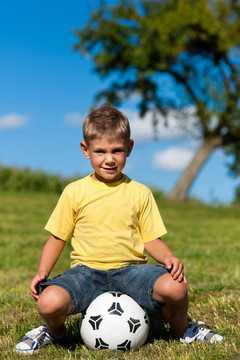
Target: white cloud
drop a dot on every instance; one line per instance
(172, 159)
(73, 119)
(177, 128)
(141, 129)
(12, 121)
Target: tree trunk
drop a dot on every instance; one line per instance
(180, 191)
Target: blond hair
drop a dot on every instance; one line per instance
(106, 121)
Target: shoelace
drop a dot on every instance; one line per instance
(40, 338)
(35, 332)
(32, 334)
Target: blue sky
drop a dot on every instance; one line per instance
(46, 89)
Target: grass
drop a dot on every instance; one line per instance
(205, 238)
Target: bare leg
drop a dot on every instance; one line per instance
(54, 305)
(174, 299)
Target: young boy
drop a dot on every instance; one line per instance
(112, 220)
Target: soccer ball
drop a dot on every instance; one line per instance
(114, 321)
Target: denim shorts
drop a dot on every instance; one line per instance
(84, 284)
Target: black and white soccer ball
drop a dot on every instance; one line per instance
(114, 321)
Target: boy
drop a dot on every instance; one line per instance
(112, 220)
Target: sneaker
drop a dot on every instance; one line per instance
(195, 332)
(34, 340)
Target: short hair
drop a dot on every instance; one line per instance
(106, 121)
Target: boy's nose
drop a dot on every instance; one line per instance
(109, 159)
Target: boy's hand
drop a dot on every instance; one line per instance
(34, 284)
(50, 254)
(175, 265)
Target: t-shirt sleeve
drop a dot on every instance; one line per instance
(151, 223)
(61, 221)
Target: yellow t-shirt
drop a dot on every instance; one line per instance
(109, 223)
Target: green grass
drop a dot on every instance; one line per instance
(205, 238)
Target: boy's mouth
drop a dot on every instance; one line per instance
(110, 169)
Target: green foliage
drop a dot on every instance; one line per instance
(15, 179)
(206, 239)
(159, 195)
(171, 37)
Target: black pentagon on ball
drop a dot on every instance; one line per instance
(95, 321)
(115, 309)
(134, 324)
(126, 345)
(100, 344)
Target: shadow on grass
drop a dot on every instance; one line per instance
(159, 328)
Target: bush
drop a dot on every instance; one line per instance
(159, 195)
(15, 179)
(237, 195)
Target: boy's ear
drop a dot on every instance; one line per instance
(84, 149)
(130, 147)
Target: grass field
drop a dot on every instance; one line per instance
(204, 237)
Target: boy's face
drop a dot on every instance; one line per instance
(108, 157)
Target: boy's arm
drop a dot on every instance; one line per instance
(50, 254)
(162, 254)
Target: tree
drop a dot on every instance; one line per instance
(192, 43)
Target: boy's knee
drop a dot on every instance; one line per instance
(178, 291)
(167, 289)
(54, 299)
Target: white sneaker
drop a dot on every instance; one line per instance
(34, 340)
(194, 332)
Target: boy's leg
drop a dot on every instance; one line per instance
(54, 304)
(69, 293)
(152, 286)
(173, 297)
